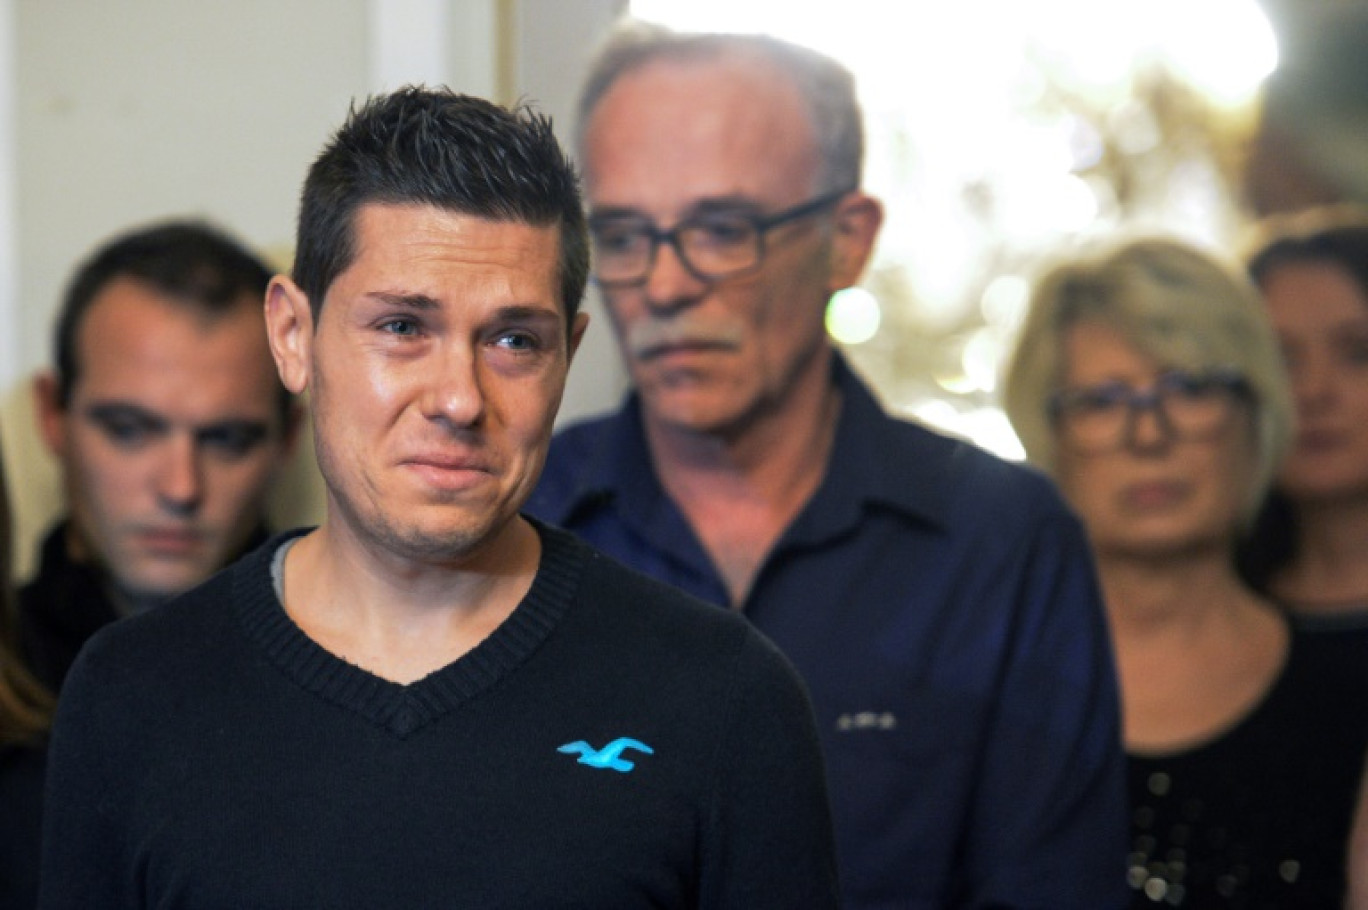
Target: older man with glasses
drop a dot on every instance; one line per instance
(939, 602)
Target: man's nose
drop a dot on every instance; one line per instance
(453, 392)
(670, 283)
(180, 480)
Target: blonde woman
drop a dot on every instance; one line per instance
(1148, 382)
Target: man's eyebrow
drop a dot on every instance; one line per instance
(723, 204)
(709, 206)
(251, 431)
(408, 301)
(105, 411)
(243, 424)
(521, 312)
(512, 311)
(614, 212)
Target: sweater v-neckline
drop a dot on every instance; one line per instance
(404, 709)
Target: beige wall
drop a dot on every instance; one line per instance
(131, 111)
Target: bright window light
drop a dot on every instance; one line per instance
(853, 316)
(999, 131)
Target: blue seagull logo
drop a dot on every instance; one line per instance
(610, 756)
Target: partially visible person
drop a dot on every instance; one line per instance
(169, 423)
(431, 700)
(25, 710)
(1147, 380)
(1358, 851)
(940, 603)
(1309, 548)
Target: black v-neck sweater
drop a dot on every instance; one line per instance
(613, 744)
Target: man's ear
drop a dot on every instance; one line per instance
(857, 220)
(51, 414)
(290, 330)
(581, 322)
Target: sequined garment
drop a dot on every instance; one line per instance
(1259, 816)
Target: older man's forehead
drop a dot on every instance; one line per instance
(731, 125)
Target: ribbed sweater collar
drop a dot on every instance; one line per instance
(405, 709)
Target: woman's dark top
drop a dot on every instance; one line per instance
(1259, 816)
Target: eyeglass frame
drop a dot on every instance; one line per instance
(761, 224)
(1229, 381)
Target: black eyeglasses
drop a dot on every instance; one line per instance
(1101, 418)
(711, 245)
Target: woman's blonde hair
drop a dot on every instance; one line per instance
(25, 706)
(1177, 304)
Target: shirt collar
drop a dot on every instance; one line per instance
(875, 461)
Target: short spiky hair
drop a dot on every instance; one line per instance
(435, 147)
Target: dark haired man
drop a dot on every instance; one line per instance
(940, 603)
(169, 423)
(431, 701)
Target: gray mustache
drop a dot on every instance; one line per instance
(645, 337)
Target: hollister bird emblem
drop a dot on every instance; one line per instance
(610, 756)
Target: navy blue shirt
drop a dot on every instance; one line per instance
(942, 607)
